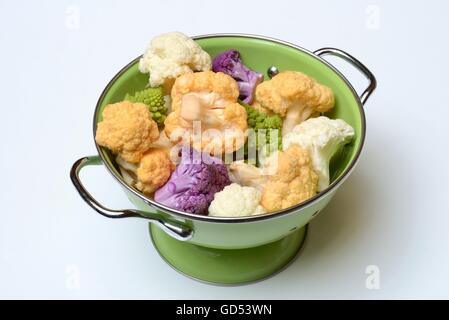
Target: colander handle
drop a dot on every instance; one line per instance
(357, 64)
(174, 229)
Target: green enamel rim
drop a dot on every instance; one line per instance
(244, 43)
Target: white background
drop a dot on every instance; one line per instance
(57, 56)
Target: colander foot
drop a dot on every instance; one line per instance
(224, 266)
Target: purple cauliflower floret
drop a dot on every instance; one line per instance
(229, 62)
(192, 186)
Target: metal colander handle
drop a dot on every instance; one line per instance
(357, 64)
(174, 229)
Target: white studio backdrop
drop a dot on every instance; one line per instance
(383, 236)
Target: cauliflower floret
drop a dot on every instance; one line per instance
(127, 129)
(152, 172)
(322, 137)
(209, 100)
(286, 178)
(213, 87)
(295, 96)
(170, 55)
(293, 180)
(192, 185)
(236, 201)
(229, 62)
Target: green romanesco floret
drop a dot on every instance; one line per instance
(154, 99)
(259, 120)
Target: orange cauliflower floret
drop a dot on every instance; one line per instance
(152, 172)
(292, 182)
(127, 129)
(206, 113)
(286, 178)
(294, 96)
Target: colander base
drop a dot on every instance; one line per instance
(228, 266)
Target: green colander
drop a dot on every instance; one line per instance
(236, 250)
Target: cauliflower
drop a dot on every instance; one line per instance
(170, 55)
(151, 173)
(192, 186)
(155, 100)
(293, 180)
(295, 96)
(322, 137)
(286, 178)
(209, 99)
(127, 129)
(236, 201)
(154, 170)
(229, 62)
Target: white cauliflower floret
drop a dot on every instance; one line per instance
(322, 137)
(171, 54)
(236, 201)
